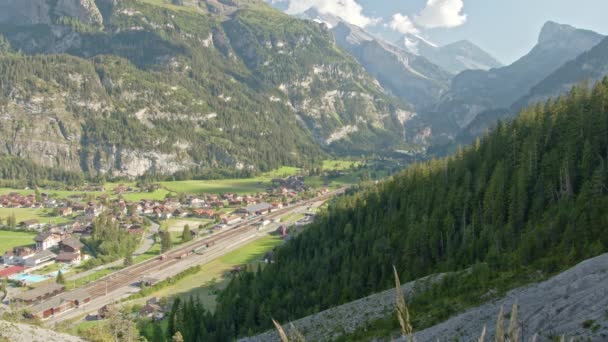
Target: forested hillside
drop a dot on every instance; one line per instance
(527, 200)
(162, 88)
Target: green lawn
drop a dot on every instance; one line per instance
(151, 253)
(9, 240)
(43, 215)
(339, 165)
(211, 276)
(241, 186)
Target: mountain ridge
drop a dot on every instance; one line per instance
(205, 72)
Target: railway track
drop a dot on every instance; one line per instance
(135, 273)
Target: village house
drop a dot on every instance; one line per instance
(78, 207)
(17, 256)
(233, 219)
(70, 251)
(47, 240)
(94, 210)
(204, 213)
(30, 224)
(11, 270)
(39, 258)
(197, 202)
(150, 308)
(65, 211)
(258, 209)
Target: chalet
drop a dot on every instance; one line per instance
(71, 245)
(235, 202)
(79, 207)
(47, 240)
(204, 213)
(232, 219)
(65, 211)
(120, 189)
(39, 294)
(259, 209)
(50, 203)
(69, 258)
(61, 303)
(196, 201)
(217, 204)
(17, 256)
(30, 224)
(39, 258)
(94, 210)
(180, 213)
(149, 310)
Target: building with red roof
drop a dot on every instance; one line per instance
(9, 271)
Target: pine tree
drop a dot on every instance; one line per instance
(12, 221)
(186, 234)
(165, 241)
(60, 278)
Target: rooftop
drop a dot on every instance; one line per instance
(39, 292)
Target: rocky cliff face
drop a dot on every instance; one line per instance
(476, 91)
(32, 12)
(410, 77)
(145, 88)
(454, 58)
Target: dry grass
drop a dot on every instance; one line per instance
(403, 313)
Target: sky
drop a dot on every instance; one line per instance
(507, 29)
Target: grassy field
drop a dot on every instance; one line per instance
(241, 186)
(211, 277)
(339, 165)
(151, 253)
(43, 215)
(9, 240)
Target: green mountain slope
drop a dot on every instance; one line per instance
(526, 201)
(153, 87)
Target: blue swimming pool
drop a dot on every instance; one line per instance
(29, 278)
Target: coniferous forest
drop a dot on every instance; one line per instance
(530, 197)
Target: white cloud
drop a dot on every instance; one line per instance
(442, 13)
(349, 10)
(402, 24)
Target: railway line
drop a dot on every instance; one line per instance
(133, 274)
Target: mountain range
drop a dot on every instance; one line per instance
(477, 99)
(455, 57)
(126, 88)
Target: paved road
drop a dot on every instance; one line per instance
(148, 240)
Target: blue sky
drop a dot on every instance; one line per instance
(508, 29)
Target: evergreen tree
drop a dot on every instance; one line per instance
(165, 241)
(12, 221)
(186, 234)
(60, 278)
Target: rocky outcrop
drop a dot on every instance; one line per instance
(573, 303)
(32, 12)
(333, 323)
(17, 332)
